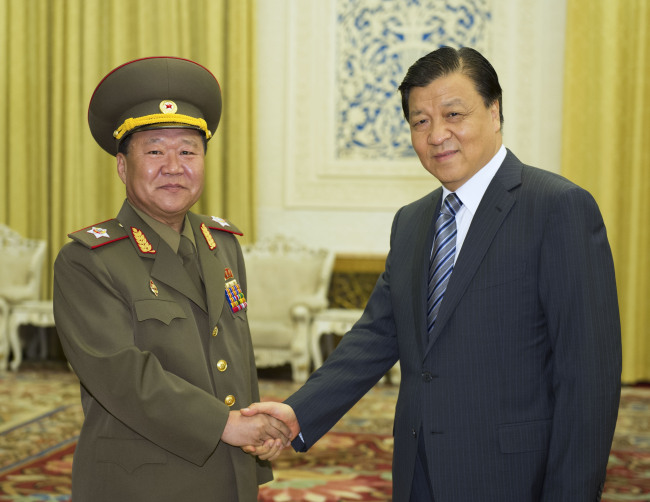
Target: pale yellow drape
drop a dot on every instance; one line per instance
(606, 148)
(54, 178)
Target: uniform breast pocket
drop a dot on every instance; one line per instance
(161, 310)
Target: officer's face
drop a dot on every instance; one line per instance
(163, 173)
(452, 131)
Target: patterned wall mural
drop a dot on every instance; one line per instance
(377, 40)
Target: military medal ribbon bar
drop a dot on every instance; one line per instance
(234, 294)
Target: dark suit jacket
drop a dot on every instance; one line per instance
(145, 346)
(516, 391)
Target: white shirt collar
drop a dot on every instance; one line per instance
(471, 192)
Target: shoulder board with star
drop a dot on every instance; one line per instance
(100, 234)
(216, 223)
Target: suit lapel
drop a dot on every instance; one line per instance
(421, 257)
(492, 211)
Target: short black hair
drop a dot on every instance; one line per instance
(123, 146)
(447, 60)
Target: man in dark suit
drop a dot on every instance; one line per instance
(151, 312)
(499, 301)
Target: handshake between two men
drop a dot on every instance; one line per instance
(262, 429)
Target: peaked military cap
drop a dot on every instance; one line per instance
(151, 93)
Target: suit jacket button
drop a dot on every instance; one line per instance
(230, 400)
(215, 331)
(415, 434)
(426, 376)
(222, 365)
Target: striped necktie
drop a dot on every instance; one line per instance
(441, 264)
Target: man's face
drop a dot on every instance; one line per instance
(452, 131)
(163, 173)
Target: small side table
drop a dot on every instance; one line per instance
(36, 313)
(338, 322)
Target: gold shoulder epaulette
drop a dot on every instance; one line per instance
(100, 234)
(216, 223)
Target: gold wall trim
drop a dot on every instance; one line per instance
(353, 280)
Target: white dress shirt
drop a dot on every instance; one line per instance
(471, 193)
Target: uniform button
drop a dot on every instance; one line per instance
(230, 400)
(215, 331)
(222, 365)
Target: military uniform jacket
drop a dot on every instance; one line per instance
(157, 363)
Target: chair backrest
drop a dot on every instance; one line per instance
(21, 266)
(282, 272)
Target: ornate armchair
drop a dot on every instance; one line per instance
(21, 271)
(4, 339)
(287, 286)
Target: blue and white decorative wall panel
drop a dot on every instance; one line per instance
(376, 42)
(347, 143)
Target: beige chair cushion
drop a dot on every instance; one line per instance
(21, 266)
(15, 268)
(276, 283)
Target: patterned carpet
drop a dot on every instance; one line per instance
(40, 418)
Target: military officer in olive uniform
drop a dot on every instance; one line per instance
(151, 309)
